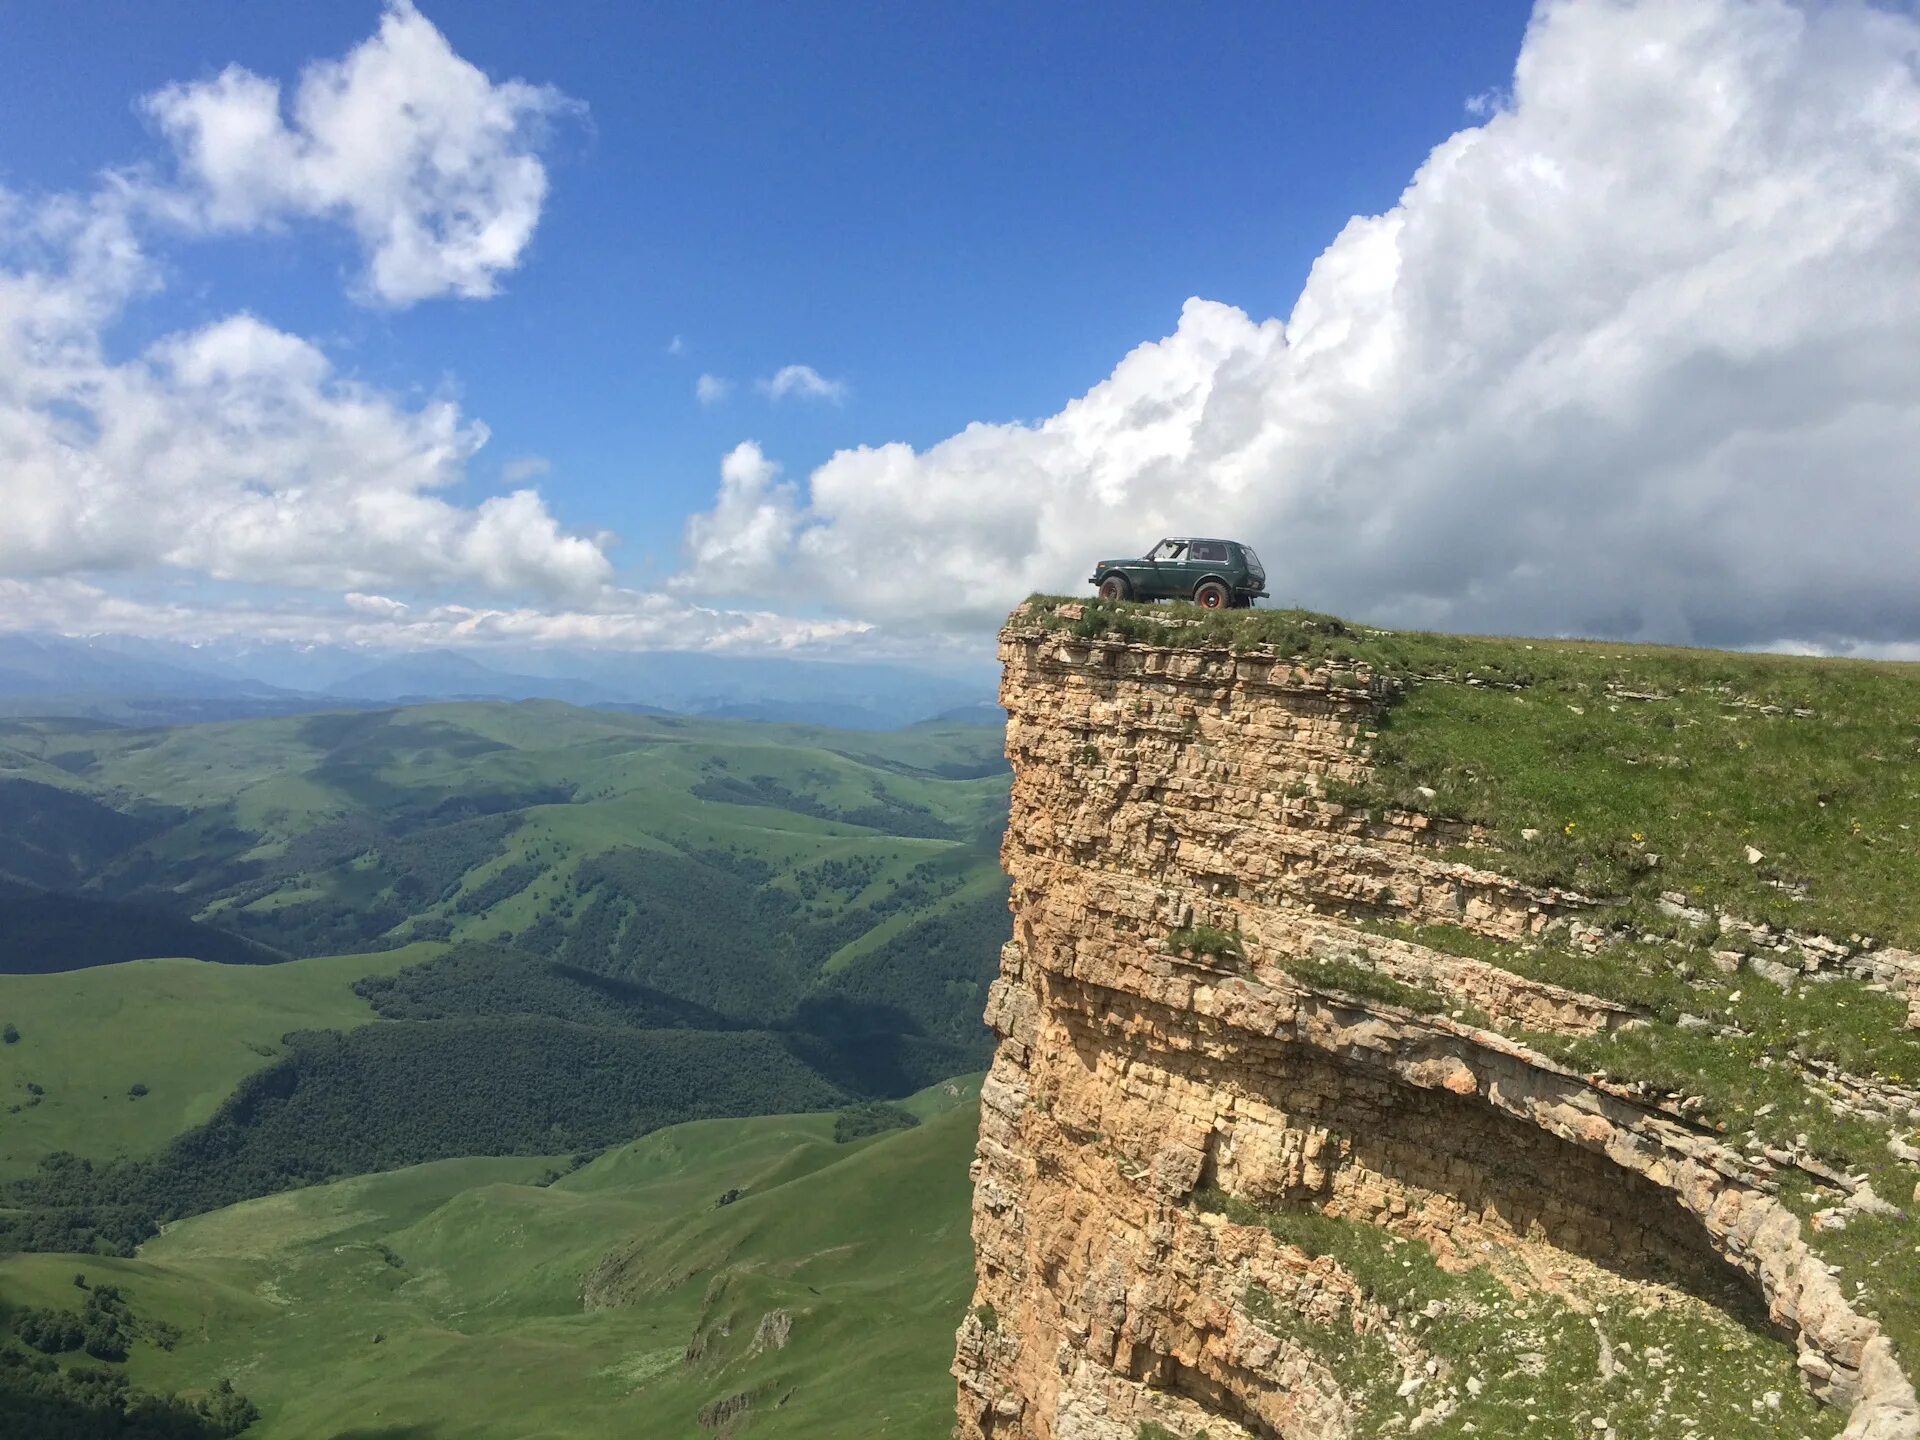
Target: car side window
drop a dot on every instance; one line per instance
(1210, 554)
(1168, 550)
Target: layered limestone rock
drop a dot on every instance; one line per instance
(1147, 1103)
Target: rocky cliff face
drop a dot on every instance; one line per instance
(1219, 1192)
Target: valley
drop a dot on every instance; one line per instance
(427, 1024)
(494, 1297)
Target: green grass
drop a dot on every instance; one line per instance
(1206, 941)
(1814, 763)
(187, 1030)
(1746, 1078)
(1678, 1368)
(1344, 977)
(568, 1309)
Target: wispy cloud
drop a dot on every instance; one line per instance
(619, 620)
(803, 382)
(712, 389)
(523, 468)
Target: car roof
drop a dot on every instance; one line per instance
(1201, 540)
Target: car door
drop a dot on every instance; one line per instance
(1167, 570)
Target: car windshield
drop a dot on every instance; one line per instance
(1168, 550)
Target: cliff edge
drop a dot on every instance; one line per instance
(1333, 1098)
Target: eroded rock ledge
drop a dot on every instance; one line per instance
(1162, 790)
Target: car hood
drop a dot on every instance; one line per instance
(1109, 564)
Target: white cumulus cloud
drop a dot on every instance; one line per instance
(235, 450)
(1637, 355)
(803, 382)
(435, 166)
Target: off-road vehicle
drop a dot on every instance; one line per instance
(1217, 574)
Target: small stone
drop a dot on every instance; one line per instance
(1754, 857)
(1816, 1367)
(1866, 1202)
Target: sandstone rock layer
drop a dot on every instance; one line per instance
(1162, 792)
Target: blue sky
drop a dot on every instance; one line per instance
(972, 214)
(966, 212)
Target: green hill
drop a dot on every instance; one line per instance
(187, 1031)
(564, 928)
(742, 1268)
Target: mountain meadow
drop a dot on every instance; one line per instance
(363, 1069)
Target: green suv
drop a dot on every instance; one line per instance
(1216, 574)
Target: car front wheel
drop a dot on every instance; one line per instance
(1115, 587)
(1211, 595)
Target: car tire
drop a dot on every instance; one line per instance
(1212, 595)
(1115, 587)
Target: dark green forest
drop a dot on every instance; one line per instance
(390, 1095)
(42, 1398)
(43, 933)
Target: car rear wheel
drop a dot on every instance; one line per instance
(1211, 595)
(1115, 587)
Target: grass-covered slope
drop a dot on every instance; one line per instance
(1612, 755)
(469, 1298)
(184, 1031)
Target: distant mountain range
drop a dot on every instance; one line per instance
(151, 682)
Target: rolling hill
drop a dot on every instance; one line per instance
(711, 1277)
(514, 927)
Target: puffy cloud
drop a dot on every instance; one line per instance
(711, 389)
(805, 383)
(1639, 355)
(433, 165)
(379, 605)
(750, 529)
(235, 450)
